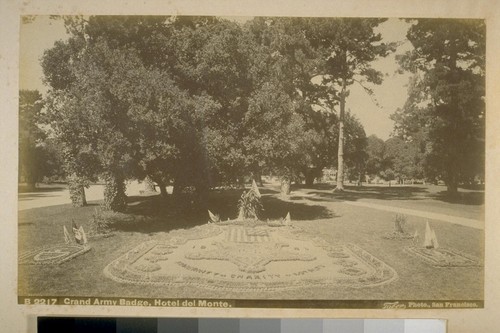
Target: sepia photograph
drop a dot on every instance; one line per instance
(271, 162)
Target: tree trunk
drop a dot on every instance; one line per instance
(285, 186)
(77, 191)
(340, 166)
(163, 190)
(83, 197)
(149, 185)
(310, 175)
(452, 186)
(257, 176)
(115, 198)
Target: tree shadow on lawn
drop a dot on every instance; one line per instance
(467, 195)
(354, 193)
(275, 209)
(464, 198)
(33, 196)
(156, 214)
(21, 188)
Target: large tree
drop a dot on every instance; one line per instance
(348, 47)
(88, 115)
(191, 101)
(445, 102)
(283, 68)
(120, 95)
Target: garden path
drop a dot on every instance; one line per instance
(472, 223)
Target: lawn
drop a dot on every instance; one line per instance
(151, 218)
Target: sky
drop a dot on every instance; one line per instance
(41, 34)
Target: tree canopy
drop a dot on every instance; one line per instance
(197, 102)
(445, 110)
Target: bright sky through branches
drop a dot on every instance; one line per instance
(40, 34)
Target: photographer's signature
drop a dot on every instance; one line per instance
(394, 305)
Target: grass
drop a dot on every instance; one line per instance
(151, 217)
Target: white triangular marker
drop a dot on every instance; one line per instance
(67, 238)
(428, 236)
(255, 188)
(287, 220)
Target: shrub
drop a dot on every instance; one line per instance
(249, 205)
(400, 223)
(99, 224)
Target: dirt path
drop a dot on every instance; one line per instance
(477, 224)
(465, 215)
(59, 195)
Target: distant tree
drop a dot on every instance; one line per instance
(446, 97)
(375, 149)
(31, 136)
(39, 155)
(356, 144)
(404, 158)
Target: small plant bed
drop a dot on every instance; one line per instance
(53, 255)
(399, 232)
(99, 224)
(443, 257)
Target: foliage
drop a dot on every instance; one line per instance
(400, 223)
(249, 205)
(348, 46)
(355, 148)
(99, 224)
(399, 232)
(286, 102)
(445, 109)
(395, 158)
(76, 187)
(375, 150)
(32, 155)
(114, 194)
(195, 102)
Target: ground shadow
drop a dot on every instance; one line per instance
(33, 196)
(473, 187)
(323, 193)
(354, 193)
(464, 198)
(150, 214)
(43, 188)
(275, 209)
